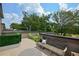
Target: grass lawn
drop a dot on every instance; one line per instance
(72, 35)
(75, 35)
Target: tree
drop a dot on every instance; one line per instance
(63, 22)
(30, 21)
(76, 18)
(35, 22)
(16, 26)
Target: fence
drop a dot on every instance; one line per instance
(62, 42)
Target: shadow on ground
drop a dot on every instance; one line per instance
(31, 52)
(4, 48)
(36, 51)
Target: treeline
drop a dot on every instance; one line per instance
(33, 22)
(62, 22)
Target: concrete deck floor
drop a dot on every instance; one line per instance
(26, 48)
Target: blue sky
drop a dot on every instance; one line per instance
(13, 11)
(50, 7)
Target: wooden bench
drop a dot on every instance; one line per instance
(53, 49)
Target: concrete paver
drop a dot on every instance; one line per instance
(25, 48)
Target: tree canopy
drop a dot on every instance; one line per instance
(62, 22)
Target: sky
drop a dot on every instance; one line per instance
(13, 11)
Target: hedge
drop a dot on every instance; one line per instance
(34, 36)
(10, 39)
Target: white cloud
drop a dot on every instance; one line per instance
(29, 7)
(63, 6)
(11, 18)
(70, 9)
(46, 13)
(7, 15)
(32, 8)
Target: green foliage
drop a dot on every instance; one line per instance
(33, 22)
(16, 26)
(6, 39)
(64, 22)
(34, 36)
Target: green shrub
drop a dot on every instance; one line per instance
(34, 36)
(10, 39)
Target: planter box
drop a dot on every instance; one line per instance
(9, 39)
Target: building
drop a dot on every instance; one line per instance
(3, 26)
(1, 16)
